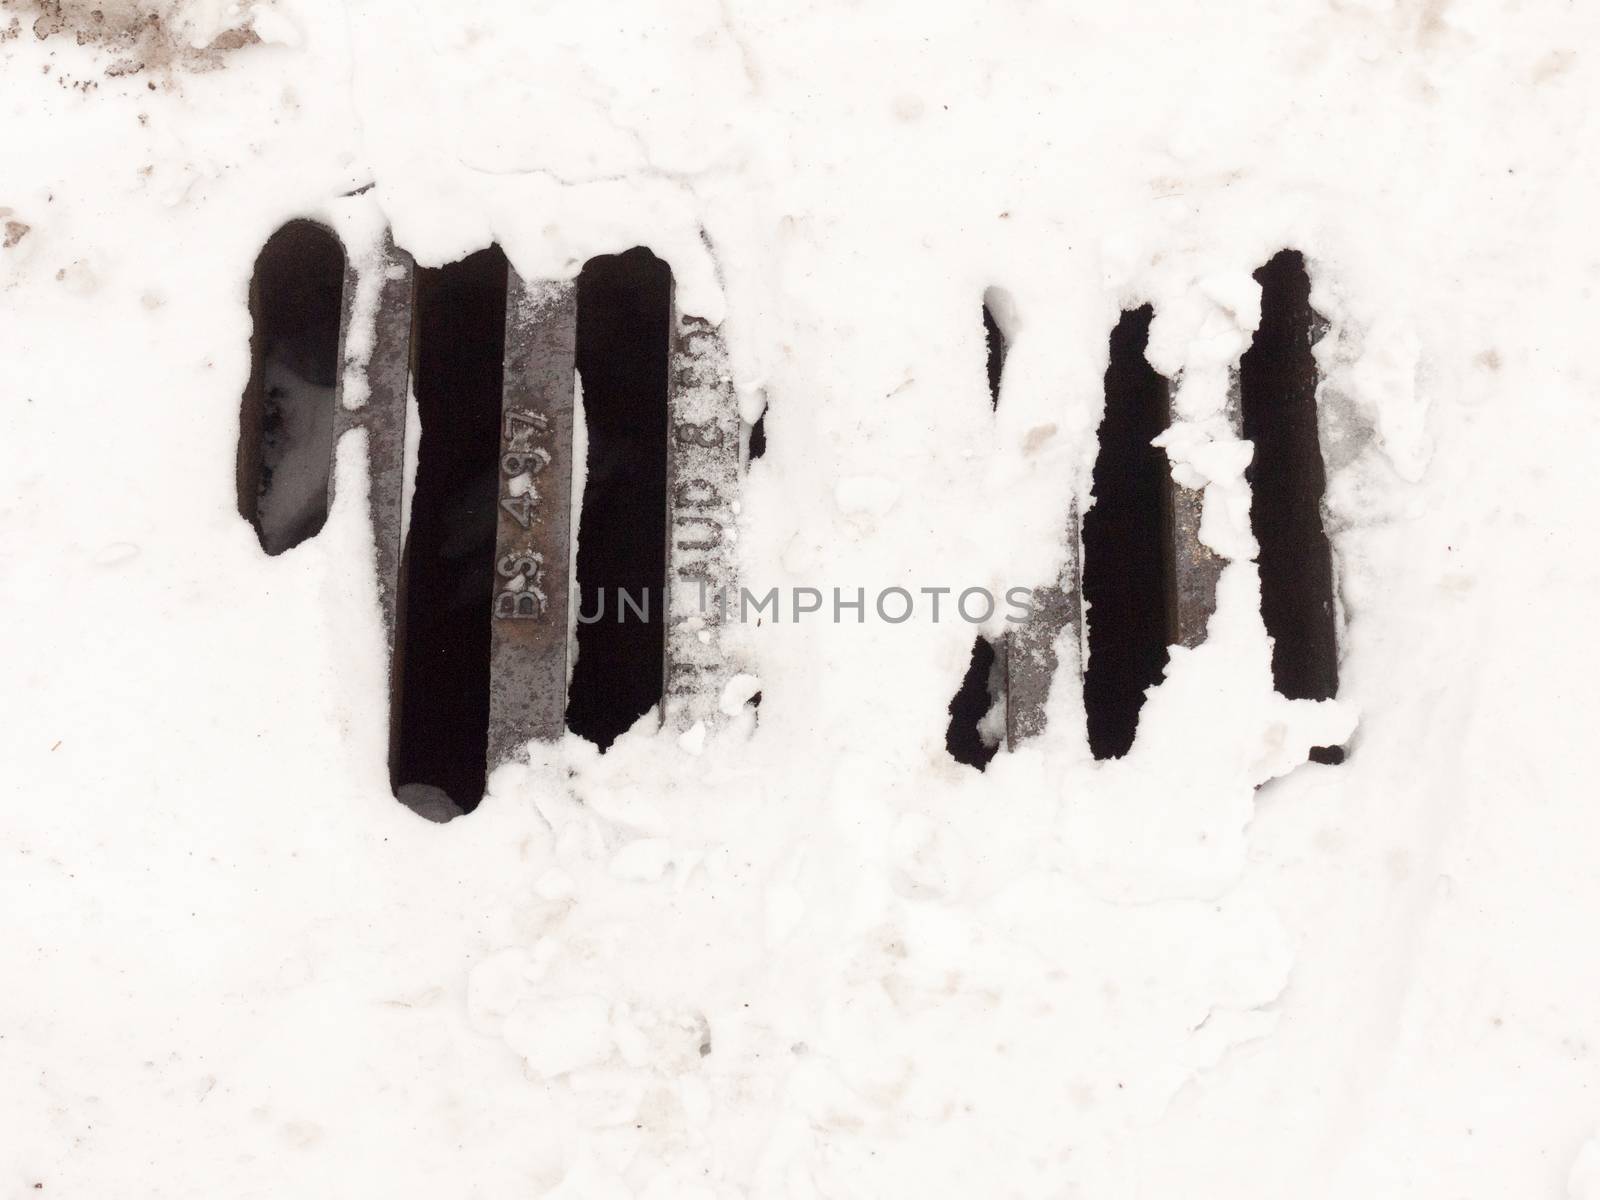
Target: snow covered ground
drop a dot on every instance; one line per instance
(819, 959)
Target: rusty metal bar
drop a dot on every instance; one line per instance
(381, 412)
(1030, 648)
(702, 491)
(1194, 567)
(529, 627)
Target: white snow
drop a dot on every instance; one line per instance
(814, 957)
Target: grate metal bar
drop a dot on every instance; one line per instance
(381, 412)
(533, 532)
(702, 510)
(1032, 662)
(1194, 567)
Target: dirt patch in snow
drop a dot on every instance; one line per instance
(140, 34)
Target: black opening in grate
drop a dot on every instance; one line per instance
(996, 360)
(286, 418)
(624, 324)
(1278, 395)
(758, 438)
(971, 740)
(442, 644)
(1127, 545)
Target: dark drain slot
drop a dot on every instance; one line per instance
(287, 415)
(967, 739)
(443, 640)
(1126, 545)
(758, 439)
(624, 323)
(995, 341)
(1278, 393)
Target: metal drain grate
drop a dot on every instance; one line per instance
(1162, 579)
(1136, 557)
(527, 616)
